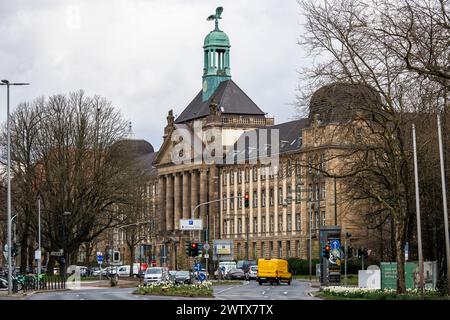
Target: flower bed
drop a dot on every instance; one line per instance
(336, 292)
(183, 290)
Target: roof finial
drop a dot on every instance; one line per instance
(216, 17)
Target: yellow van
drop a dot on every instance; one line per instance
(273, 271)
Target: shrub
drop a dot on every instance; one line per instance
(298, 266)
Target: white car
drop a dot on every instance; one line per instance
(252, 272)
(156, 275)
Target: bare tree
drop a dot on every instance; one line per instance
(69, 160)
(357, 47)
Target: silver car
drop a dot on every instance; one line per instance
(156, 275)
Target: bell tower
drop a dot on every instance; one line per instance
(216, 50)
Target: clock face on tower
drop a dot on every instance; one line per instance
(205, 86)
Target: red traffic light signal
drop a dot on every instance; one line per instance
(246, 200)
(327, 248)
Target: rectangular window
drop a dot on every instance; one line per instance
(298, 193)
(263, 224)
(317, 219)
(271, 223)
(232, 201)
(255, 225)
(271, 196)
(298, 168)
(255, 252)
(231, 177)
(225, 231)
(263, 198)
(239, 176)
(263, 250)
(280, 196)
(317, 191)
(224, 199)
(288, 169)
(255, 199)
(288, 249)
(255, 174)
(239, 200)
(263, 173)
(297, 248)
(280, 249)
(232, 227)
(324, 193)
(247, 175)
(240, 226)
(298, 222)
(289, 222)
(280, 222)
(310, 189)
(224, 178)
(271, 249)
(323, 219)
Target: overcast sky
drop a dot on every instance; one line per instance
(146, 55)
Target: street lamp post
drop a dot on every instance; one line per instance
(7, 84)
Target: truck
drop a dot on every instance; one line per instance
(273, 271)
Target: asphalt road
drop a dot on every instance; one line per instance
(298, 290)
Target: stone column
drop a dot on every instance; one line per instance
(169, 202)
(186, 196)
(213, 194)
(203, 195)
(162, 203)
(194, 193)
(177, 200)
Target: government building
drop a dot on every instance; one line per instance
(287, 203)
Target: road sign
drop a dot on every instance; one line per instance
(37, 255)
(57, 253)
(201, 277)
(197, 267)
(191, 224)
(206, 256)
(99, 257)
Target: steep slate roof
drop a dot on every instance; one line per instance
(230, 99)
(146, 162)
(290, 134)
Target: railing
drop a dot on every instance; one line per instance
(45, 283)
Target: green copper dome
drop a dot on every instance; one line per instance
(217, 38)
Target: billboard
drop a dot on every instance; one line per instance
(223, 250)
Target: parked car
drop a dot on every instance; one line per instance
(245, 264)
(182, 277)
(236, 274)
(273, 271)
(156, 274)
(225, 267)
(94, 272)
(252, 273)
(172, 274)
(124, 271)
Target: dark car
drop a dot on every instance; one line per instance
(182, 277)
(236, 274)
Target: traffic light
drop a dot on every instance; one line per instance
(350, 252)
(187, 248)
(194, 249)
(326, 251)
(246, 200)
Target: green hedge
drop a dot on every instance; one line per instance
(298, 266)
